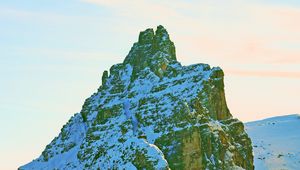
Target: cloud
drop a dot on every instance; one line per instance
(13, 13)
(252, 73)
(48, 17)
(136, 9)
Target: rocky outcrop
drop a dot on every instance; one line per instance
(152, 113)
(153, 50)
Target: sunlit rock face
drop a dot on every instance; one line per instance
(152, 113)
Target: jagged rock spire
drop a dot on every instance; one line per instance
(153, 49)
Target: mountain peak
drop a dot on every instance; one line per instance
(146, 37)
(140, 120)
(150, 37)
(153, 49)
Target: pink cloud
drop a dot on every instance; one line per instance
(265, 73)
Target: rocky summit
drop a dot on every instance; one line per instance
(152, 113)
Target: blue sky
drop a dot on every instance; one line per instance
(54, 52)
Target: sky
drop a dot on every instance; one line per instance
(53, 54)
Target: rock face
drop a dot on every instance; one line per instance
(152, 113)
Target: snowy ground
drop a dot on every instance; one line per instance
(276, 142)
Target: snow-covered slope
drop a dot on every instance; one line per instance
(276, 142)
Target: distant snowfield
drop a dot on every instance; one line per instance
(276, 142)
